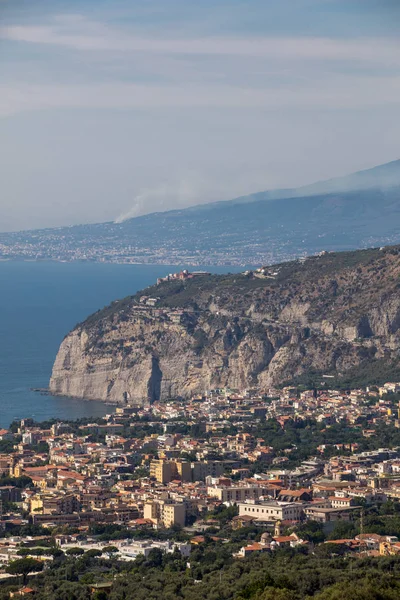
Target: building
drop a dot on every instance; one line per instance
(54, 505)
(207, 468)
(273, 511)
(165, 471)
(174, 514)
(182, 470)
(165, 512)
(342, 502)
(328, 516)
(161, 470)
(236, 494)
(301, 495)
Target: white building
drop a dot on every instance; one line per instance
(273, 511)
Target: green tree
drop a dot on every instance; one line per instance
(94, 553)
(110, 550)
(273, 593)
(75, 551)
(329, 549)
(100, 595)
(343, 530)
(24, 566)
(360, 590)
(154, 558)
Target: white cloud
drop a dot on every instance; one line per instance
(81, 34)
(341, 92)
(127, 70)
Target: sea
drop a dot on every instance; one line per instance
(40, 302)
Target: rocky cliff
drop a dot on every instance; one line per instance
(327, 314)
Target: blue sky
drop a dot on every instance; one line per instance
(114, 108)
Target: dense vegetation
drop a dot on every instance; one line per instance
(212, 574)
(373, 372)
(180, 294)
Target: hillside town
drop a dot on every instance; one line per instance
(161, 476)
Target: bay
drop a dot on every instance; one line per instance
(39, 303)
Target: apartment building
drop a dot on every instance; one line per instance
(165, 512)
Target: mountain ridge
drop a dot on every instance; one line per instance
(357, 211)
(377, 176)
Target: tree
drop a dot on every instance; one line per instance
(327, 550)
(110, 550)
(93, 553)
(100, 595)
(273, 593)
(360, 590)
(154, 558)
(24, 566)
(75, 551)
(343, 530)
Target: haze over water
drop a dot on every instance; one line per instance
(39, 303)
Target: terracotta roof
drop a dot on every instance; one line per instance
(143, 521)
(295, 492)
(254, 547)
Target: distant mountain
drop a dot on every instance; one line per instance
(382, 177)
(355, 211)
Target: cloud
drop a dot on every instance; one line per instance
(341, 92)
(80, 34)
(124, 70)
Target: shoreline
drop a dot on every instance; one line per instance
(48, 392)
(128, 263)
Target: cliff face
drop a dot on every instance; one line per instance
(329, 314)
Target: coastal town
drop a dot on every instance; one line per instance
(113, 243)
(172, 475)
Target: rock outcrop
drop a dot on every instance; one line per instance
(328, 314)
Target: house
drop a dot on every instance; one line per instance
(301, 495)
(285, 541)
(101, 587)
(338, 502)
(251, 549)
(6, 435)
(242, 521)
(328, 516)
(25, 592)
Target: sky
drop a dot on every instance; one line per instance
(111, 109)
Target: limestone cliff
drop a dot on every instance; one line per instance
(328, 314)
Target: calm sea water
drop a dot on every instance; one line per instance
(39, 303)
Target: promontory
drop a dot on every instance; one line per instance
(335, 314)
